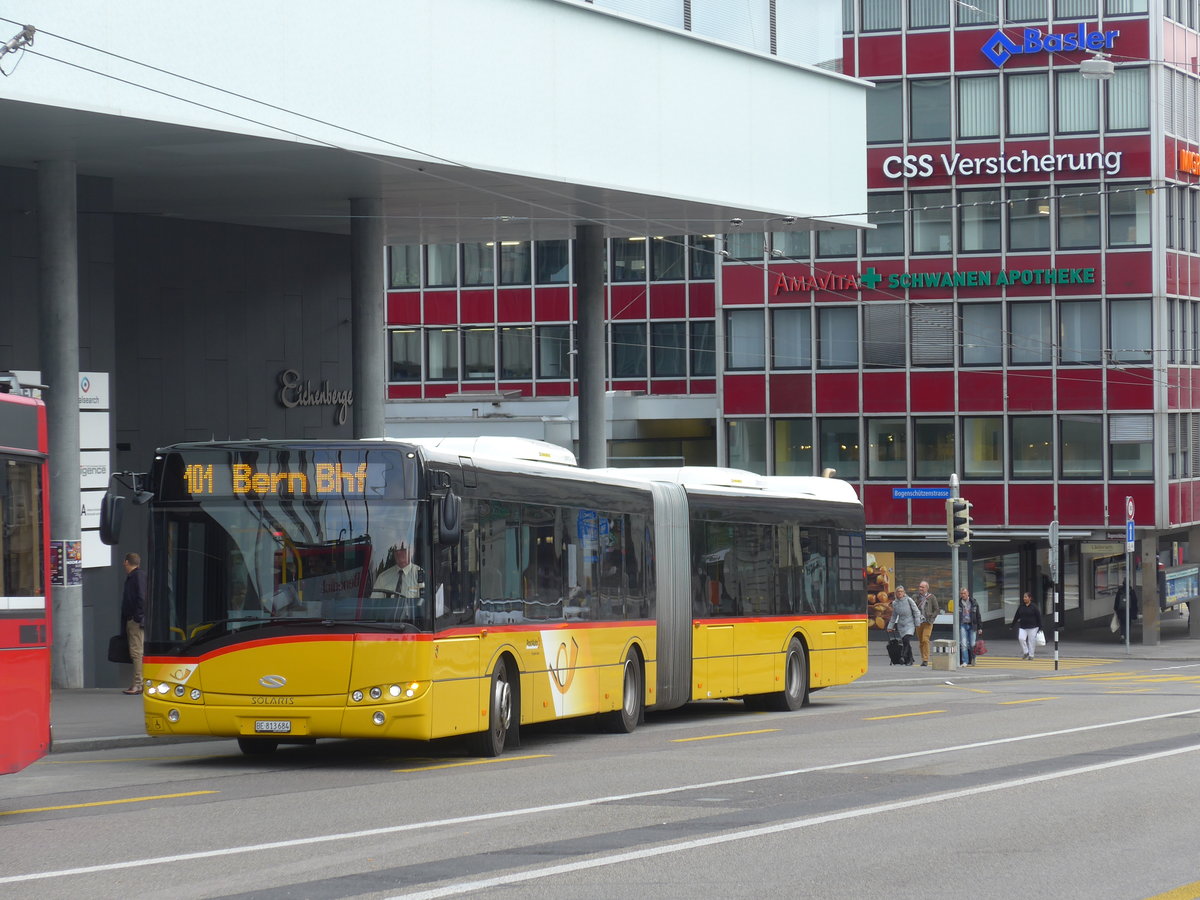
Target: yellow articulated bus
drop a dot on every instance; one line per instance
(430, 588)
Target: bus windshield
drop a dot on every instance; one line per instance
(230, 565)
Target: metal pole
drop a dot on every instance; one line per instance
(1054, 579)
(957, 631)
(1128, 592)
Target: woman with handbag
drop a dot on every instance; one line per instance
(1028, 621)
(969, 627)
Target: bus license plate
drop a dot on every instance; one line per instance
(272, 726)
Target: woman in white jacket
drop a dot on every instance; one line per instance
(905, 619)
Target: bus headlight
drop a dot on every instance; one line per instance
(394, 690)
(376, 693)
(379, 718)
(179, 690)
(195, 695)
(173, 716)
(357, 696)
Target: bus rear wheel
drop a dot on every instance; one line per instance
(626, 718)
(257, 746)
(491, 742)
(795, 681)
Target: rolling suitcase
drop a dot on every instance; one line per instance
(896, 651)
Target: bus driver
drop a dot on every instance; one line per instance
(402, 579)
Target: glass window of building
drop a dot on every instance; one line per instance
(1079, 217)
(932, 334)
(405, 349)
(1131, 446)
(1124, 7)
(979, 12)
(479, 264)
(1081, 447)
(701, 252)
(1032, 333)
(1129, 217)
(791, 244)
(983, 446)
(982, 334)
(554, 351)
(932, 221)
(1032, 446)
(979, 107)
(553, 262)
(404, 266)
(1079, 332)
(1028, 104)
(628, 259)
(837, 337)
(667, 256)
(702, 358)
(837, 242)
(516, 352)
(793, 440)
(929, 109)
(441, 354)
(928, 13)
(747, 443)
(1129, 329)
(1075, 9)
(668, 349)
(514, 262)
(479, 354)
(1029, 218)
(885, 113)
(791, 338)
(1026, 11)
(880, 15)
(745, 339)
(848, 16)
(887, 448)
(886, 212)
(884, 344)
(979, 215)
(1078, 107)
(933, 448)
(441, 265)
(839, 447)
(1129, 100)
(745, 244)
(628, 349)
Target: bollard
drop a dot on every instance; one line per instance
(944, 655)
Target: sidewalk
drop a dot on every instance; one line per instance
(105, 718)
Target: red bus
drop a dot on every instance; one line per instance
(24, 580)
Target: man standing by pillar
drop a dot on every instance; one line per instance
(133, 608)
(930, 609)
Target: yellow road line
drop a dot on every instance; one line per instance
(932, 712)
(1030, 700)
(17, 812)
(473, 762)
(1183, 892)
(713, 737)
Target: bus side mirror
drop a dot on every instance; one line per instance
(112, 511)
(449, 519)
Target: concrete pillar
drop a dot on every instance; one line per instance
(1193, 555)
(58, 354)
(1148, 595)
(589, 363)
(368, 337)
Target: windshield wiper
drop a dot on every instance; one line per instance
(379, 624)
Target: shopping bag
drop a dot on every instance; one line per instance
(980, 647)
(118, 649)
(1115, 624)
(1041, 638)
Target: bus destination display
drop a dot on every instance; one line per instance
(265, 476)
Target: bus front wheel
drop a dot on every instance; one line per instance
(500, 714)
(795, 681)
(625, 719)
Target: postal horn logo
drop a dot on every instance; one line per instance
(999, 48)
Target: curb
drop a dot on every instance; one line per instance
(80, 745)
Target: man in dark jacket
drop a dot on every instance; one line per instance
(1119, 607)
(133, 608)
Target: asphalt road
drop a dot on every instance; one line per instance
(1079, 783)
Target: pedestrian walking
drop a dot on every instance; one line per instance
(1125, 593)
(970, 627)
(1028, 622)
(133, 607)
(903, 624)
(930, 609)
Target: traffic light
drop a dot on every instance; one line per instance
(958, 521)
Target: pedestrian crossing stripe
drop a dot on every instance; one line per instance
(1038, 664)
(1133, 677)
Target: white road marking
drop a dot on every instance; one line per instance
(613, 798)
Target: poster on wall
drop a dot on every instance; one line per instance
(881, 588)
